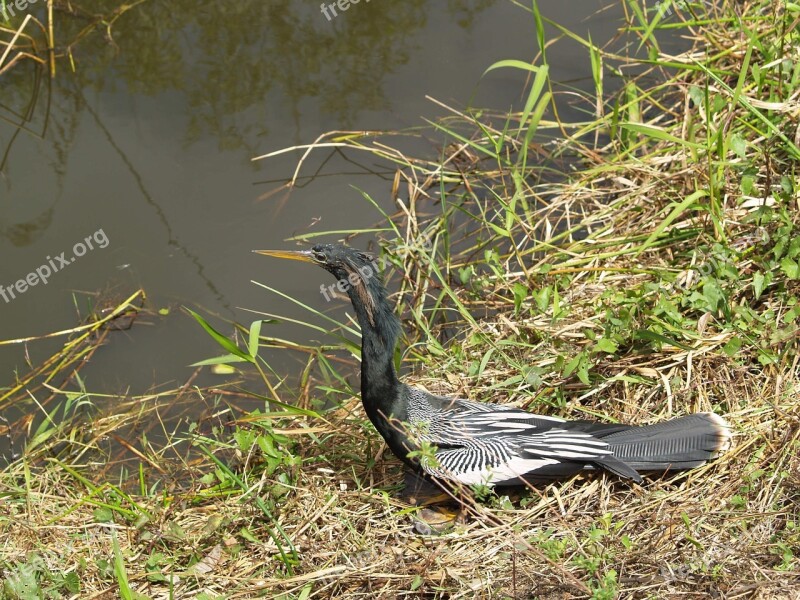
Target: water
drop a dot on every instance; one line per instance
(148, 145)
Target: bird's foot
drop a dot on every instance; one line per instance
(420, 491)
(433, 518)
(436, 521)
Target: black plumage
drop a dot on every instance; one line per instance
(478, 443)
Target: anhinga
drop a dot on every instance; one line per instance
(476, 443)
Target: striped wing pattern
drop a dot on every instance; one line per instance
(487, 444)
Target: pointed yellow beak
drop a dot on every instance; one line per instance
(303, 255)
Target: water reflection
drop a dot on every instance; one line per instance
(233, 62)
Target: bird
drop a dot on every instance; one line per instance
(465, 442)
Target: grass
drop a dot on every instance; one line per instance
(658, 276)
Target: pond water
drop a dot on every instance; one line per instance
(140, 151)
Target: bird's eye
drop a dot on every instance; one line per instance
(319, 256)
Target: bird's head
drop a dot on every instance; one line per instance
(357, 272)
(338, 259)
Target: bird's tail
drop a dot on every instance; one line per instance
(682, 443)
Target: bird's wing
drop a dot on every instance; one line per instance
(506, 458)
(487, 443)
(491, 443)
(490, 419)
(454, 420)
(486, 461)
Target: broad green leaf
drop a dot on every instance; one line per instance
(583, 372)
(606, 345)
(738, 145)
(573, 364)
(255, 331)
(759, 284)
(516, 64)
(658, 133)
(732, 346)
(219, 338)
(225, 359)
(520, 294)
(790, 268)
(287, 407)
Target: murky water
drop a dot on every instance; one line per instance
(143, 152)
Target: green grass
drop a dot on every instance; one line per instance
(656, 275)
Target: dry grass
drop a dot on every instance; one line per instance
(719, 531)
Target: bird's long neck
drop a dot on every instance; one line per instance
(380, 387)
